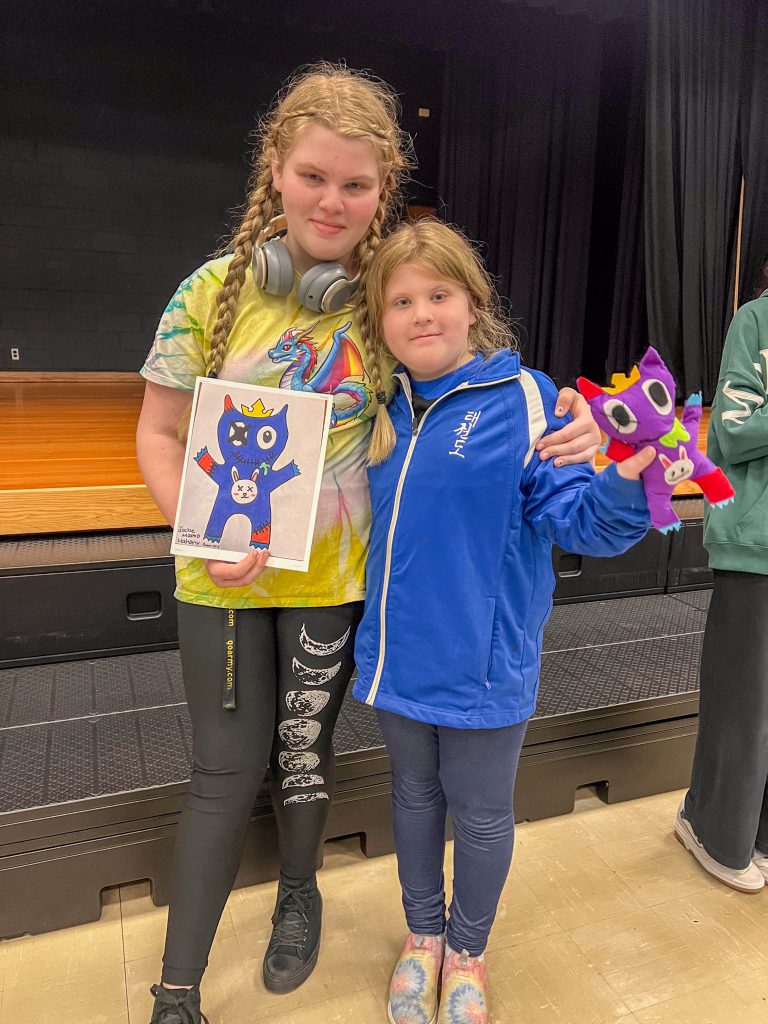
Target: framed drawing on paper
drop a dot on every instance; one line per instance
(252, 471)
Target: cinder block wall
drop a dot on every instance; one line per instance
(124, 154)
(92, 244)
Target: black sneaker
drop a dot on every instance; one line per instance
(177, 1006)
(292, 951)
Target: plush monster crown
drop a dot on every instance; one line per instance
(651, 365)
(619, 382)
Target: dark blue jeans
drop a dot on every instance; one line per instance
(471, 773)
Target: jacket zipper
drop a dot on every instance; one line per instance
(415, 431)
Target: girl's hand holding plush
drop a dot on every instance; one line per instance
(632, 467)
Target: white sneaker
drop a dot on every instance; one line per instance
(760, 860)
(749, 879)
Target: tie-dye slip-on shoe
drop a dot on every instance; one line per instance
(464, 996)
(413, 989)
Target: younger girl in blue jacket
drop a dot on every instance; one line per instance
(459, 586)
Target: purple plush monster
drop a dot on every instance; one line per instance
(639, 410)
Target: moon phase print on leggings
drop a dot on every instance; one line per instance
(316, 659)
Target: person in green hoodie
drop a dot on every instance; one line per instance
(723, 820)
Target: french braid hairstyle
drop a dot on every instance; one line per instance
(352, 103)
(448, 253)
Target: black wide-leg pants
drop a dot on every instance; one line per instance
(727, 804)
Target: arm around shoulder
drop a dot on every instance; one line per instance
(158, 448)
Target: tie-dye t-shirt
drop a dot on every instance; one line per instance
(277, 342)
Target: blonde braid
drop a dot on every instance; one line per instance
(363, 257)
(383, 437)
(260, 209)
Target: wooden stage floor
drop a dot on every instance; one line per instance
(69, 461)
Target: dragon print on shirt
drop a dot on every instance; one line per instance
(340, 373)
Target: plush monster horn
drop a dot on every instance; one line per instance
(651, 361)
(587, 388)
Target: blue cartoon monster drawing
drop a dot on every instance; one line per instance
(250, 441)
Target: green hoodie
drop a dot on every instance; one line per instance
(736, 536)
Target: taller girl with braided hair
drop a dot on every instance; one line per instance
(274, 310)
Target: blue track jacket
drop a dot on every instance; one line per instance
(459, 572)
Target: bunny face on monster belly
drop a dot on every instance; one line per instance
(243, 491)
(681, 469)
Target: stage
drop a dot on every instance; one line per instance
(94, 732)
(70, 460)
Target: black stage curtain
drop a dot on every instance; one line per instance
(754, 152)
(628, 337)
(696, 57)
(517, 168)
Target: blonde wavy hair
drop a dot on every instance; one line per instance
(354, 104)
(447, 252)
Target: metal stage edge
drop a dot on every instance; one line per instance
(56, 858)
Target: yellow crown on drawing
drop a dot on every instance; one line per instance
(257, 410)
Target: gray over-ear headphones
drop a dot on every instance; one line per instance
(324, 288)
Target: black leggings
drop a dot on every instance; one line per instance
(292, 667)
